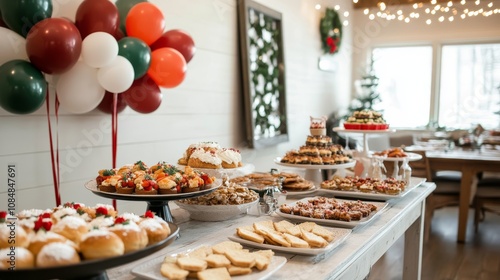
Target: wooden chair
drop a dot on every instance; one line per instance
(487, 198)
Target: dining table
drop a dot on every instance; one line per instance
(470, 162)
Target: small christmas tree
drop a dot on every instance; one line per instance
(367, 95)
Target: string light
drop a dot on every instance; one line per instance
(337, 8)
(432, 11)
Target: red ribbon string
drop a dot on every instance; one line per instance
(114, 135)
(54, 158)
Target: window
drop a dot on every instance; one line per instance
(404, 84)
(469, 85)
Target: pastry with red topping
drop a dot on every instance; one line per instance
(43, 235)
(134, 237)
(104, 174)
(109, 184)
(156, 228)
(146, 185)
(126, 184)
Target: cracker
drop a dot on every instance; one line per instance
(240, 258)
(323, 232)
(282, 226)
(250, 235)
(295, 241)
(219, 273)
(173, 271)
(216, 260)
(192, 264)
(236, 270)
(221, 248)
(308, 226)
(261, 261)
(313, 239)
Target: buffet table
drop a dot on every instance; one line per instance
(353, 259)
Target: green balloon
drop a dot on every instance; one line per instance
(124, 7)
(137, 52)
(21, 15)
(22, 87)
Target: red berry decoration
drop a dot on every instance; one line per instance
(119, 220)
(149, 214)
(3, 215)
(101, 211)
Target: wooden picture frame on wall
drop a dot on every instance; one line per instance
(263, 74)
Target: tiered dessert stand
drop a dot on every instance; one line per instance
(313, 171)
(366, 132)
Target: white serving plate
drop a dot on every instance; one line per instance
(340, 235)
(316, 166)
(414, 182)
(151, 269)
(409, 157)
(215, 212)
(304, 192)
(335, 223)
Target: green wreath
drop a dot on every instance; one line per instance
(331, 31)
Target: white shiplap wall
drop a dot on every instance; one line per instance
(205, 107)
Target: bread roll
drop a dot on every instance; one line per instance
(13, 235)
(99, 244)
(57, 254)
(71, 227)
(42, 238)
(19, 258)
(134, 238)
(156, 230)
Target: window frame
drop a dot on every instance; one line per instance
(437, 48)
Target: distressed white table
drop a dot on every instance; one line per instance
(351, 260)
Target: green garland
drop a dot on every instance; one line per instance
(331, 31)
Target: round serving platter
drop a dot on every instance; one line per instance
(157, 203)
(316, 166)
(89, 269)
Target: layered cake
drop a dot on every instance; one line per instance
(367, 120)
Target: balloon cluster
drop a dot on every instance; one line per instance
(109, 48)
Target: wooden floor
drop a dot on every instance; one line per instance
(444, 258)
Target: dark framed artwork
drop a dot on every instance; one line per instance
(263, 74)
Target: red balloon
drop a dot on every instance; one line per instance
(144, 96)
(168, 67)
(106, 105)
(97, 15)
(145, 21)
(176, 39)
(53, 45)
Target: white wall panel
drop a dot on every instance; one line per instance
(207, 106)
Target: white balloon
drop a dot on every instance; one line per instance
(65, 8)
(99, 49)
(78, 90)
(118, 76)
(12, 46)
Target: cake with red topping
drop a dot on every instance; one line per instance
(366, 120)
